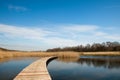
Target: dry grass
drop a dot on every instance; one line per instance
(8, 54)
(101, 53)
(66, 54)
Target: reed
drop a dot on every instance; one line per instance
(7, 54)
(67, 54)
(101, 53)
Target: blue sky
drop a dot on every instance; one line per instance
(43, 24)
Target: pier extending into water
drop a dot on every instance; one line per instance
(36, 71)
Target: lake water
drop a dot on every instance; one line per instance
(84, 68)
(10, 67)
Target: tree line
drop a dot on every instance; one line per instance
(105, 46)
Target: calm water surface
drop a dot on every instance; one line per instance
(10, 67)
(85, 68)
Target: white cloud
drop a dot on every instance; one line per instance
(100, 33)
(22, 47)
(106, 35)
(60, 42)
(13, 31)
(81, 28)
(17, 8)
(59, 36)
(113, 37)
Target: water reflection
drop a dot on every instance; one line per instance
(10, 67)
(85, 68)
(101, 62)
(96, 61)
(68, 60)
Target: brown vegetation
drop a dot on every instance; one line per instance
(8, 54)
(96, 47)
(101, 53)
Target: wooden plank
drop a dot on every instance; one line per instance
(35, 71)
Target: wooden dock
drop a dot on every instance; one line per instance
(35, 71)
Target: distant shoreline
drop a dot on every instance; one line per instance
(66, 54)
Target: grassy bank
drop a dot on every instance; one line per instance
(101, 53)
(7, 54)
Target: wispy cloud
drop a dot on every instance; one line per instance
(108, 36)
(17, 8)
(100, 33)
(80, 28)
(59, 36)
(29, 33)
(60, 42)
